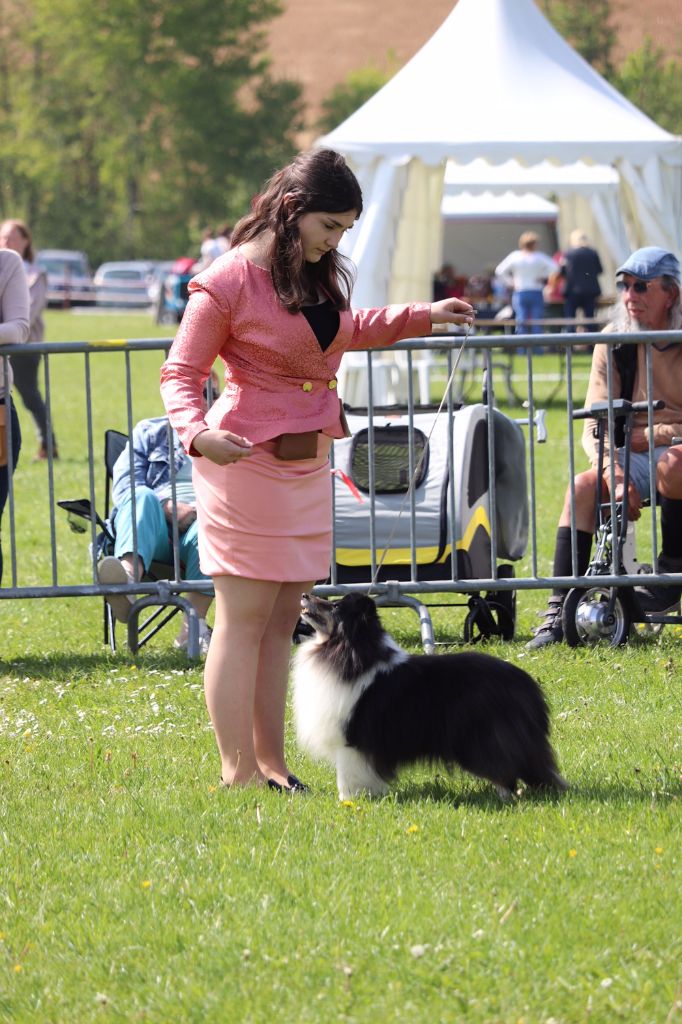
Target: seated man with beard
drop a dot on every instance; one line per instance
(649, 283)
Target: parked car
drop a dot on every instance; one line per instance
(69, 278)
(124, 283)
(174, 292)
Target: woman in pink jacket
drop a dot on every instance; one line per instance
(276, 310)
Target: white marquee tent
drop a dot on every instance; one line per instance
(497, 83)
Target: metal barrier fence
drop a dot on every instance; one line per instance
(489, 361)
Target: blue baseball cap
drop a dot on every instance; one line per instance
(651, 262)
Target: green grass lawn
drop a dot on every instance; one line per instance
(133, 889)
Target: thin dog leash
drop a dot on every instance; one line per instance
(417, 468)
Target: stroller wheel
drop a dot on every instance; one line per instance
(505, 600)
(486, 619)
(645, 630)
(587, 621)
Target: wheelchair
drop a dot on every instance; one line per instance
(603, 612)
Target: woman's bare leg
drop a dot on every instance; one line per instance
(272, 680)
(243, 609)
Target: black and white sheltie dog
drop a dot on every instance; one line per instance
(368, 707)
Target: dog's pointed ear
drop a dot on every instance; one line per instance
(368, 609)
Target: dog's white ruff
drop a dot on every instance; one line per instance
(322, 706)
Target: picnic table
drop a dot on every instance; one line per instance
(473, 366)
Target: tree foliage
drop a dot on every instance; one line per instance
(654, 84)
(349, 95)
(125, 126)
(646, 77)
(586, 25)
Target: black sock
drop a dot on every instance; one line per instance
(671, 527)
(562, 554)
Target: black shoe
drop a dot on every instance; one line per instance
(296, 786)
(551, 631)
(657, 599)
(293, 785)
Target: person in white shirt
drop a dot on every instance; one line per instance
(213, 246)
(527, 270)
(15, 234)
(15, 305)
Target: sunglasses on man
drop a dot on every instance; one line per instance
(633, 286)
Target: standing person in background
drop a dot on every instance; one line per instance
(15, 234)
(213, 246)
(446, 284)
(581, 268)
(14, 326)
(276, 310)
(553, 292)
(528, 270)
(223, 238)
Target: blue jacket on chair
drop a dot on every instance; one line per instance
(151, 460)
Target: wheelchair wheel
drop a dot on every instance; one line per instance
(586, 620)
(486, 619)
(505, 599)
(645, 630)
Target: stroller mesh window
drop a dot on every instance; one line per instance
(391, 459)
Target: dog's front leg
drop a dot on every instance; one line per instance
(355, 774)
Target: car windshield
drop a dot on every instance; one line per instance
(75, 268)
(124, 275)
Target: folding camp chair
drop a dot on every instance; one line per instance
(165, 603)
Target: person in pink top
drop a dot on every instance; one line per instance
(276, 310)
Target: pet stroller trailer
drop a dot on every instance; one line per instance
(493, 615)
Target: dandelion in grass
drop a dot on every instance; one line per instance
(347, 803)
(659, 849)
(411, 829)
(572, 853)
(146, 884)
(18, 968)
(212, 789)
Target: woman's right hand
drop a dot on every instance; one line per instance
(222, 446)
(452, 311)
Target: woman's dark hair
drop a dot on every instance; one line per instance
(25, 233)
(317, 181)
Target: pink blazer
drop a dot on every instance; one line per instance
(277, 378)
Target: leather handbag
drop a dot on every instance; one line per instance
(292, 447)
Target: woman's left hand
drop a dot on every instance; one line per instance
(452, 311)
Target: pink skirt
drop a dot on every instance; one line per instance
(264, 518)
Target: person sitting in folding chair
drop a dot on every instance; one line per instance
(151, 518)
